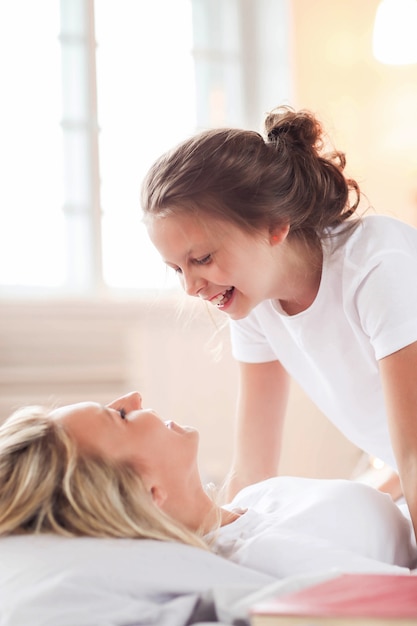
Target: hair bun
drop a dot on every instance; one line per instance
(274, 133)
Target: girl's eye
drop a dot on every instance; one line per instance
(205, 260)
(122, 413)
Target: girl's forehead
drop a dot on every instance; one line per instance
(180, 216)
(186, 230)
(192, 226)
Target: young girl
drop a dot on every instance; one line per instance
(121, 471)
(265, 229)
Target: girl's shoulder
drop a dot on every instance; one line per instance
(386, 225)
(375, 236)
(385, 228)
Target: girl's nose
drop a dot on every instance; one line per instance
(192, 283)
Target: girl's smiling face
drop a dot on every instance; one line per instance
(217, 261)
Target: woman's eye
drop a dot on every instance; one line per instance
(122, 413)
(205, 260)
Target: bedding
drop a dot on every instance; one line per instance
(47, 580)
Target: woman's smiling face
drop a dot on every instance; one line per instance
(124, 431)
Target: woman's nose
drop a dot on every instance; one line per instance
(134, 401)
(130, 402)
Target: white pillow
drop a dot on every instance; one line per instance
(57, 581)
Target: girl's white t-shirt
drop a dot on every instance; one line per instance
(296, 526)
(365, 309)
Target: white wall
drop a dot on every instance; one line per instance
(65, 351)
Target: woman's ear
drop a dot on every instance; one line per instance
(278, 234)
(159, 496)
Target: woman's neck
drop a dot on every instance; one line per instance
(199, 513)
(229, 516)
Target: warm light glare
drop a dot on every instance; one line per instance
(376, 463)
(395, 32)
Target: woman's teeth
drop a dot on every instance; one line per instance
(222, 298)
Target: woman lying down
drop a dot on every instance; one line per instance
(121, 471)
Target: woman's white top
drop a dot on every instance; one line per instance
(365, 309)
(298, 526)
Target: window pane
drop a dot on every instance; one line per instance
(146, 103)
(31, 220)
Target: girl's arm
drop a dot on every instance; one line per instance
(391, 485)
(399, 379)
(262, 401)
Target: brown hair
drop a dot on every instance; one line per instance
(255, 182)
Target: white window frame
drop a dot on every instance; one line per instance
(254, 77)
(81, 148)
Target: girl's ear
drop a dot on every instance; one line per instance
(278, 234)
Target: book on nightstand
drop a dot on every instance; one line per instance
(347, 600)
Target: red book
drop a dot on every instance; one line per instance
(349, 599)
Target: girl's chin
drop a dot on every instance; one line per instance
(237, 308)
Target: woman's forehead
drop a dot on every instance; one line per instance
(79, 408)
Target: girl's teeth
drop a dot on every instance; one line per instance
(218, 300)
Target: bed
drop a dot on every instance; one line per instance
(57, 581)
(47, 580)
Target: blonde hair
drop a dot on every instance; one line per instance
(47, 485)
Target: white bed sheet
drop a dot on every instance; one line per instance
(53, 581)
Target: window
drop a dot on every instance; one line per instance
(146, 104)
(93, 92)
(31, 192)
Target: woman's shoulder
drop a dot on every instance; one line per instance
(305, 491)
